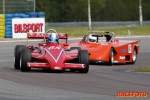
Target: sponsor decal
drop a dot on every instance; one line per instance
(115, 61)
(105, 44)
(122, 57)
(61, 34)
(26, 27)
(129, 48)
(131, 94)
(82, 65)
(124, 50)
(22, 26)
(54, 47)
(56, 67)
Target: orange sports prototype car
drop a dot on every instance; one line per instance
(107, 49)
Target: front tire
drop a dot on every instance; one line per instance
(84, 59)
(24, 58)
(17, 51)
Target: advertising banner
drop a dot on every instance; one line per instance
(22, 26)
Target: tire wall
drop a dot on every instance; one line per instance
(8, 25)
(6, 21)
(2, 25)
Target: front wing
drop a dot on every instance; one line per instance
(65, 66)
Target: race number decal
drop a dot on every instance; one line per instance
(54, 47)
(129, 48)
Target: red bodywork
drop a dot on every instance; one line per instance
(53, 55)
(100, 51)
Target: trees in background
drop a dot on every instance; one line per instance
(101, 10)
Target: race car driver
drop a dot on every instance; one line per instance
(53, 37)
(92, 38)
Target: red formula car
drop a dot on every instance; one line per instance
(50, 55)
(103, 47)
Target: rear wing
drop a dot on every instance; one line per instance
(42, 36)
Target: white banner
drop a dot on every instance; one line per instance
(22, 26)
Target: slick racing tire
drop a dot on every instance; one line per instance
(78, 48)
(111, 57)
(134, 56)
(25, 57)
(84, 59)
(17, 51)
(73, 48)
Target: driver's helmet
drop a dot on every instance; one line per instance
(91, 38)
(53, 37)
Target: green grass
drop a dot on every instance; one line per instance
(121, 31)
(143, 69)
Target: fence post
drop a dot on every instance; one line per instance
(34, 5)
(3, 6)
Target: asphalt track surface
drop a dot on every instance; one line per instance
(101, 83)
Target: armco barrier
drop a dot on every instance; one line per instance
(2, 25)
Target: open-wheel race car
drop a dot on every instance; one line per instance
(49, 54)
(103, 47)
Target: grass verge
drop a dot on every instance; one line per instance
(143, 69)
(119, 31)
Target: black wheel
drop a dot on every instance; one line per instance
(84, 59)
(72, 48)
(17, 51)
(134, 56)
(111, 57)
(78, 48)
(25, 57)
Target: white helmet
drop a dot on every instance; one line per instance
(53, 37)
(92, 38)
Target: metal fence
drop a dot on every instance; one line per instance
(17, 6)
(98, 24)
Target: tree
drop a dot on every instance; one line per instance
(101, 10)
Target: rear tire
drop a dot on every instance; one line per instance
(134, 56)
(17, 51)
(111, 57)
(84, 59)
(24, 58)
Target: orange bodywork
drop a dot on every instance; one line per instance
(100, 51)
